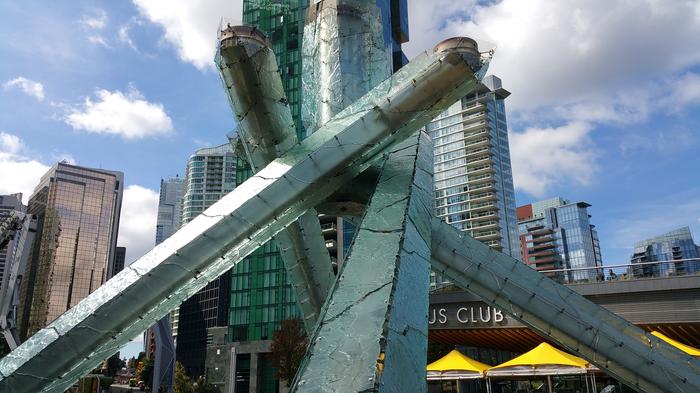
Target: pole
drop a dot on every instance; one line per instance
(549, 384)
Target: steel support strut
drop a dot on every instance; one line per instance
(240, 222)
(625, 351)
(249, 71)
(374, 328)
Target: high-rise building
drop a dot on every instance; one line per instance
(8, 204)
(472, 171)
(557, 234)
(168, 221)
(676, 246)
(74, 250)
(210, 174)
(169, 207)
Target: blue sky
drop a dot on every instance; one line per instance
(605, 101)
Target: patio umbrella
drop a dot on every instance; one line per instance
(455, 366)
(543, 360)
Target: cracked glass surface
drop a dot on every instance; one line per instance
(343, 57)
(373, 332)
(567, 318)
(248, 69)
(239, 223)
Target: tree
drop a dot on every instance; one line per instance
(147, 372)
(183, 383)
(288, 348)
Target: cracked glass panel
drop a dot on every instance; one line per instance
(567, 318)
(343, 57)
(239, 223)
(373, 331)
(253, 84)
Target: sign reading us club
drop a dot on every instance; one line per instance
(466, 315)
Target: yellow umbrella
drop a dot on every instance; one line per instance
(455, 365)
(685, 348)
(542, 360)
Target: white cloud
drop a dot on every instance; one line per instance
(543, 156)
(17, 172)
(127, 115)
(191, 26)
(28, 87)
(98, 40)
(124, 38)
(570, 51)
(137, 225)
(581, 63)
(684, 91)
(97, 20)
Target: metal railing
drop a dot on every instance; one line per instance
(629, 271)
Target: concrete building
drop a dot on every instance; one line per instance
(75, 247)
(210, 174)
(676, 246)
(557, 234)
(472, 171)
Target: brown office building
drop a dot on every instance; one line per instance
(74, 250)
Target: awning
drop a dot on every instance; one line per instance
(685, 348)
(455, 365)
(542, 360)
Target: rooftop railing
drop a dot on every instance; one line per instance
(630, 271)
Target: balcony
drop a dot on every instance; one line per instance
(486, 235)
(482, 197)
(477, 143)
(475, 207)
(473, 134)
(479, 163)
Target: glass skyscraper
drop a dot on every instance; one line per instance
(169, 207)
(74, 250)
(558, 234)
(677, 245)
(210, 174)
(472, 172)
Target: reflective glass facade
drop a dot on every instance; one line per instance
(210, 174)
(78, 218)
(675, 245)
(261, 296)
(169, 207)
(472, 172)
(557, 234)
(283, 23)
